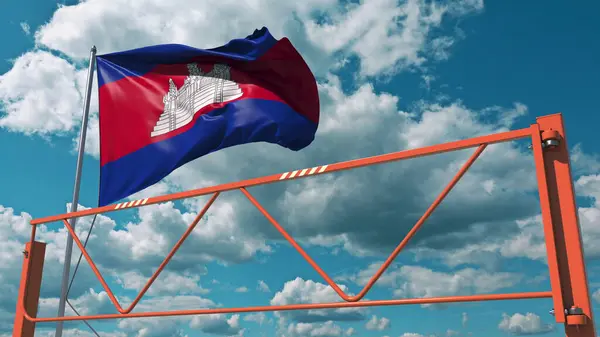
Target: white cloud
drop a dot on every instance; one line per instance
(423, 282)
(384, 35)
(528, 324)
(25, 27)
(94, 302)
(583, 163)
(321, 204)
(241, 290)
(440, 47)
(464, 319)
(39, 95)
(450, 333)
(97, 23)
(89, 303)
(218, 324)
(263, 286)
(258, 317)
(378, 324)
(589, 217)
(301, 291)
(151, 327)
(416, 281)
(117, 257)
(146, 242)
(167, 283)
(529, 240)
(343, 112)
(80, 333)
(14, 232)
(596, 295)
(327, 329)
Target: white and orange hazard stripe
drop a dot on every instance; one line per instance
(127, 204)
(300, 173)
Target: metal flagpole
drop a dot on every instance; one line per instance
(82, 136)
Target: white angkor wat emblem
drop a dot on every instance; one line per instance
(198, 90)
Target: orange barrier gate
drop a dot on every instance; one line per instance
(562, 234)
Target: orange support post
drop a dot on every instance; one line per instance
(568, 278)
(29, 290)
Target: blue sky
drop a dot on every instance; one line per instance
(392, 75)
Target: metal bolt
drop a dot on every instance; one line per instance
(575, 311)
(551, 142)
(550, 138)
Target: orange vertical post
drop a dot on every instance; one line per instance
(29, 290)
(572, 305)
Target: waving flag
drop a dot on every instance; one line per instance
(163, 106)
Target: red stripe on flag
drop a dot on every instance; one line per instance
(130, 108)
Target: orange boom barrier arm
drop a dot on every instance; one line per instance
(569, 285)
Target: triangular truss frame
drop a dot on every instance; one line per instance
(570, 293)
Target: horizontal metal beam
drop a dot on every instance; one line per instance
(288, 307)
(301, 173)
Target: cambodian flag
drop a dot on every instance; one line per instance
(163, 106)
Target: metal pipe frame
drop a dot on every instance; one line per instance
(566, 272)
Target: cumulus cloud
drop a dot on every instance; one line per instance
(148, 241)
(168, 283)
(397, 38)
(151, 327)
(94, 302)
(218, 324)
(321, 204)
(14, 232)
(263, 286)
(177, 288)
(82, 333)
(588, 186)
(327, 329)
(381, 33)
(378, 324)
(417, 281)
(308, 291)
(528, 324)
(258, 317)
(584, 163)
(39, 95)
(528, 240)
(89, 303)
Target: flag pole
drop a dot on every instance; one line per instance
(80, 152)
